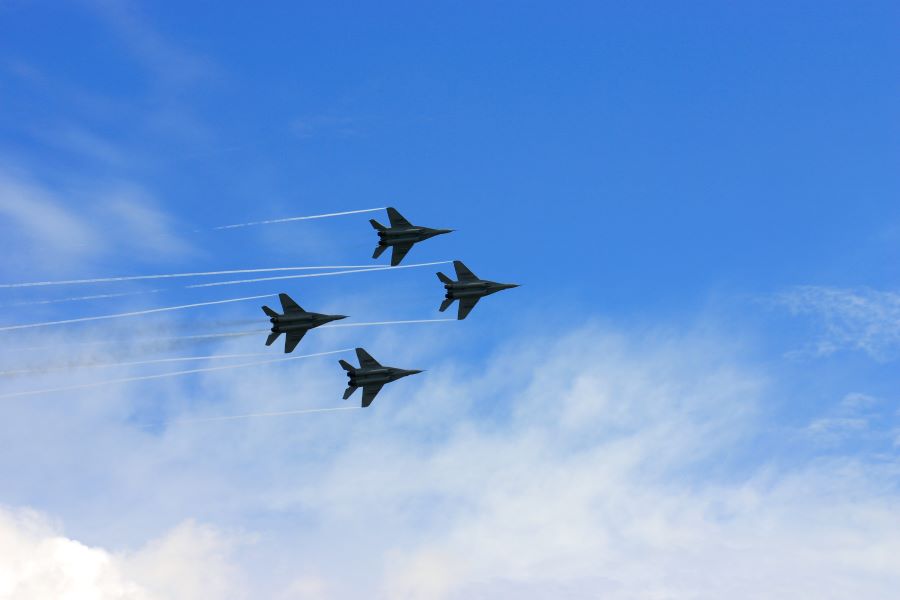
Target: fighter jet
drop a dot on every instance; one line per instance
(370, 376)
(401, 235)
(468, 290)
(294, 323)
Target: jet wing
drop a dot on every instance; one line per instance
(463, 273)
(369, 393)
(291, 340)
(365, 360)
(465, 307)
(397, 219)
(400, 250)
(288, 304)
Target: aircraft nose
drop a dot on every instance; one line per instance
(338, 317)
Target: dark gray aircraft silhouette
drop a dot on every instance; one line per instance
(401, 235)
(370, 376)
(294, 323)
(468, 290)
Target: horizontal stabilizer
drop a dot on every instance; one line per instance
(446, 304)
(444, 278)
(379, 250)
(347, 366)
(272, 338)
(349, 391)
(270, 312)
(377, 225)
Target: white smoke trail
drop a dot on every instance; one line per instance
(268, 414)
(385, 323)
(173, 276)
(136, 313)
(330, 273)
(133, 363)
(81, 298)
(289, 219)
(165, 375)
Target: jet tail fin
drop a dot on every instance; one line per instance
(272, 337)
(444, 278)
(349, 391)
(269, 311)
(376, 225)
(347, 366)
(379, 250)
(446, 304)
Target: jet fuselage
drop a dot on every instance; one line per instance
(468, 289)
(407, 235)
(301, 321)
(377, 376)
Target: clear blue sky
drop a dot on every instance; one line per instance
(666, 172)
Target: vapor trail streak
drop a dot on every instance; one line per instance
(283, 277)
(268, 414)
(288, 219)
(172, 276)
(134, 363)
(149, 311)
(386, 323)
(79, 298)
(164, 375)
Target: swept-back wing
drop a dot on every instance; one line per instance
(465, 307)
(288, 304)
(463, 273)
(369, 393)
(397, 220)
(365, 360)
(400, 250)
(291, 340)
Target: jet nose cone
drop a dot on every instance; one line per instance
(413, 371)
(338, 317)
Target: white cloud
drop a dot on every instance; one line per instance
(41, 231)
(851, 319)
(38, 562)
(601, 463)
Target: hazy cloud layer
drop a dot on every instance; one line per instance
(604, 463)
(850, 319)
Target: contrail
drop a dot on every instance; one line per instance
(173, 276)
(164, 375)
(385, 323)
(149, 311)
(268, 414)
(80, 298)
(134, 363)
(147, 341)
(270, 221)
(282, 277)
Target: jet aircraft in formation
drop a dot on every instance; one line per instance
(371, 376)
(469, 289)
(400, 236)
(294, 323)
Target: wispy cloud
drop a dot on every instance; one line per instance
(593, 464)
(849, 319)
(46, 230)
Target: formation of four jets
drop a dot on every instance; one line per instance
(371, 375)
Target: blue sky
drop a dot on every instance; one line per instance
(701, 203)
